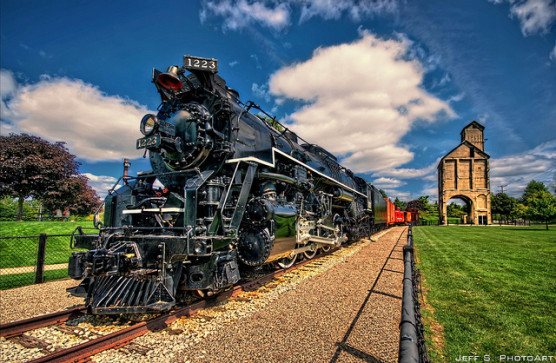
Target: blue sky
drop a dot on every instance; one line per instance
(386, 85)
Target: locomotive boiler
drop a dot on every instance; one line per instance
(235, 189)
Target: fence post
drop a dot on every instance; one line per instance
(39, 273)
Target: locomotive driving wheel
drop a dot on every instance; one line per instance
(286, 262)
(311, 253)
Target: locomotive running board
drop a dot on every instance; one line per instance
(273, 165)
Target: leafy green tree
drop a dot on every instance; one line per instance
(455, 210)
(503, 204)
(542, 206)
(520, 211)
(401, 205)
(271, 121)
(9, 205)
(424, 199)
(31, 167)
(532, 189)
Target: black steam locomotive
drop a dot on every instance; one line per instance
(239, 189)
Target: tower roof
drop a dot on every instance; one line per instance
(474, 124)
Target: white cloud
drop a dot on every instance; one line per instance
(8, 84)
(276, 14)
(426, 173)
(261, 91)
(95, 126)
(239, 14)
(553, 54)
(100, 183)
(334, 9)
(368, 101)
(535, 16)
(514, 172)
(388, 183)
(393, 194)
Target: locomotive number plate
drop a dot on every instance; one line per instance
(200, 64)
(149, 141)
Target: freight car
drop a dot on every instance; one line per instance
(237, 191)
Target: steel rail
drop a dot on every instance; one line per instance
(19, 327)
(122, 337)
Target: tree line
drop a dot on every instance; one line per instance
(536, 203)
(35, 172)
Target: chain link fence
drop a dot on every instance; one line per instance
(26, 260)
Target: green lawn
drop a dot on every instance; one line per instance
(492, 289)
(9, 228)
(16, 252)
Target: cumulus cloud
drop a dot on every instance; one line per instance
(277, 14)
(100, 183)
(361, 99)
(239, 14)
(95, 126)
(534, 16)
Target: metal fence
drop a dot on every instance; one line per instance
(413, 347)
(26, 260)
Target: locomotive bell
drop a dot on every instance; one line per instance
(170, 80)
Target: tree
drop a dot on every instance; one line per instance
(73, 193)
(31, 167)
(520, 211)
(532, 189)
(503, 204)
(455, 210)
(381, 191)
(401, 205)
(542, 206)
(8, 209)
(271, 121)
(415, 204)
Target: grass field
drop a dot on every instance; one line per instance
(23, 251)
(490, 290)
(36, 228)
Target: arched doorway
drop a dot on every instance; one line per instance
(460, 206)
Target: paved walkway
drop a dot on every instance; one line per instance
(27, 269)
(349, 313)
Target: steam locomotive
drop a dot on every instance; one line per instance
(237, 189)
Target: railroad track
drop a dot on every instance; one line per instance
(98, 343)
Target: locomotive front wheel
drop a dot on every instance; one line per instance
(286, 262)
(325, 248)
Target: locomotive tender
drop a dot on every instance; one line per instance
(238, 190)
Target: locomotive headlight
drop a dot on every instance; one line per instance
(149, 124)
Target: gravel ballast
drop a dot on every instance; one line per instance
(34, 300)
(340, 307)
